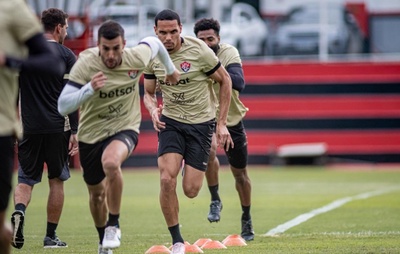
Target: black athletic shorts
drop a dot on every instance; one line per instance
(192, 141)
(237, 156)
(90, 155)
(36, 149)
(6, 169)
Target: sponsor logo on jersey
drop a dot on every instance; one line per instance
(185, 66)
(181, 81)
(133, 73)
(116, 92)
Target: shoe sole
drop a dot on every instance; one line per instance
(17, 221)
(54, 247)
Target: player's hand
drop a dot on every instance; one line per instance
(173, 79)
(224, 138)
(155, 117)
(73, 145)
(98, 81)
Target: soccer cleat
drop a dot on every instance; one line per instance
(215, 210)
(53, 242)
(103, 250)
(247, 230)
(178, 248)
(17, 221)
(112, 237)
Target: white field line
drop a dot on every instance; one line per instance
(335, 204)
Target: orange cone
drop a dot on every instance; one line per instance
(234, 236)
(193, 249)
(234, 242)
(213, 245)
(201, 241)
(158, 249)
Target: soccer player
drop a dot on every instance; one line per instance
(21, 36)
(46, 135)
(208, 31)
(104, 83)
(186, 120)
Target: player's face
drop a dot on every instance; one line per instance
(111, 51)
(63, 32)
(210, 37)
(169, 33)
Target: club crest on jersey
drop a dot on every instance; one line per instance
(133, 74)
(185, 66)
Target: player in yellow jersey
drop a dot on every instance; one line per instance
(21, 36)
(208, 31)
(104, 84)
(186, 120)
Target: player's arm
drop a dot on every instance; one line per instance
(222, 77)
(150, 101)
(41, 58)
(235, 71)
(158, 49)
(73, 95)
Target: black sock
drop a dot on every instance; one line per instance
(214, 192)
(51, 229)
(20, 207)
(246, 213)
(100, 231)
(176, 234)
(113, 220)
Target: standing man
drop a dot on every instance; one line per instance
(20, 32)
(208, 31)
(48, 137)
(186, 121)
(104, 83)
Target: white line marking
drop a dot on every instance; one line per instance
(335, 204)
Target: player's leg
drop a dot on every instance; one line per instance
(213, 183)
(6, 169)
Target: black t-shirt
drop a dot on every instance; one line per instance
(39, 95)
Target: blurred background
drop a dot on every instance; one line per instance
(322, 77)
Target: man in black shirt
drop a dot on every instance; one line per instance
(48, 137)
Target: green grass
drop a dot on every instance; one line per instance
(280, 194)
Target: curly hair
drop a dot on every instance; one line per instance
(52, 17)
(206, 24)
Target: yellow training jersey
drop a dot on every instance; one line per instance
(193, 99)
(116, 106)
(228, 54)
(17, 25)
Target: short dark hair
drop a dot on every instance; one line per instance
(110, 29)
(167, 14)
(52, 17)
(206, 24)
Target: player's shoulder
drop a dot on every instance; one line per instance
(227, 47)
(89, 53)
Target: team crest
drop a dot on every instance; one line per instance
(133, 74)
(185, 66)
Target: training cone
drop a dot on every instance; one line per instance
(158, 249)
(213, 245)
(202, 241)
(193, 249)
(234, 236)
(234, 242)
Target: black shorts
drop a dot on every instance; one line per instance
(237, 156)
(36, 149)
(6, 169)
(192, 141)
(90, 155)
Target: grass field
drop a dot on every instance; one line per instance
(366, 224)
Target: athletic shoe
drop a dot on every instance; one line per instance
(104, 250)
(178, 248)
(53, 242)
(247, 230)
(112, 237)
(17, 221)
(215, 210)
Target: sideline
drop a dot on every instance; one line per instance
(335, 204)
